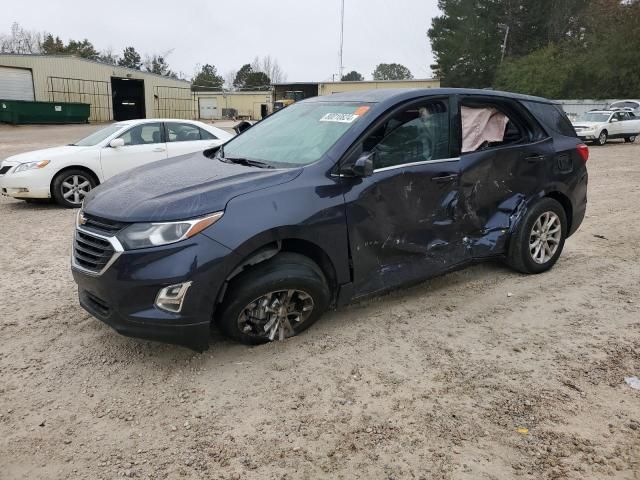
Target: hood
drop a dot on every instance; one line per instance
(45, 154)
(179, 188)
(587, 124)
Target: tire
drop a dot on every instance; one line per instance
(241, 315)
(63, 187)
(630, 139)
(522, 246)
(602, 138)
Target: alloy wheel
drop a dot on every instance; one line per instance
(74, 188)
(545, 237)
(276, 314)
(602, 139)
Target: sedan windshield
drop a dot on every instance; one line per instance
(297, 135)
(96, 137)
(594, 117)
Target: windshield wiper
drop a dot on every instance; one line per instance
(247, 162)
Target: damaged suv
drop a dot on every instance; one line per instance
(327, 201)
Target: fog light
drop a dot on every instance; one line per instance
(171, 298)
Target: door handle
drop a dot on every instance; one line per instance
(445, 178)
(158, 149)
(535, 158)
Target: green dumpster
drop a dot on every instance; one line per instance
(21, 111)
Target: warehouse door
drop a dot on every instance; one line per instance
(208, 108)
(128, 98)
(16, 84)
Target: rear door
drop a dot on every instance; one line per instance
(499, 170)
(402, 219)
(143, 144)
(184, 138)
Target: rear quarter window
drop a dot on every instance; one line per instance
(552, 117)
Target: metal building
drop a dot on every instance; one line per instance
(114, 93)
(239, 105)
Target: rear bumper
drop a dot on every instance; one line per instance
(124, 295)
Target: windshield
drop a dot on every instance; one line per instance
(96, 137)
(594, 117)
(297, 135)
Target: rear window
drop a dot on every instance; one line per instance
(552, 117)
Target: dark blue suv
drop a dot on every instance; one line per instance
(327, 201)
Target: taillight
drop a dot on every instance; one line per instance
(583, 151)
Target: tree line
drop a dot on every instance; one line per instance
(568, 49)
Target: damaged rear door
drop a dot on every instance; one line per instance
(402, 219)
(500, 174)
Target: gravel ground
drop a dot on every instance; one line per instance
(480, 374)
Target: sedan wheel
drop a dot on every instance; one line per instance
(630, 139)
(70, 187)
(276, 314)
(545, 237)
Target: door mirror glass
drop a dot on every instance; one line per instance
(116, 142)
(364, 165)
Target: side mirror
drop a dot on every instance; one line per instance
(116, 143)
(613, 120)
(364, 165)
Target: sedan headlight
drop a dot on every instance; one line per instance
(31, 165)
(143, 235)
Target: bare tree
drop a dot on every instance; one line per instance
(229, 77)
(271, 67)
(20, 40)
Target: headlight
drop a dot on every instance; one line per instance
(31, 165)
(143, 235)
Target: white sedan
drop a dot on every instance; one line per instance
(68, 173)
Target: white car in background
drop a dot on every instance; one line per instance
(598, 126)
(68, 173)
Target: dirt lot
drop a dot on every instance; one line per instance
(437, 381)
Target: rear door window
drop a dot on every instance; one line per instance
(182, 132)
(488, 123)
(145, 134)
(205, 135)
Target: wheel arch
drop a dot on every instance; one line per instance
(563, 200)
(73, 167)
(272, 248)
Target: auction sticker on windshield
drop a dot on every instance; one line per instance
(340, 117)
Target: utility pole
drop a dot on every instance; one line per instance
(341, 39)
(504, 43)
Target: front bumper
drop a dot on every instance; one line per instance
(124, 295)
(28, 184)
(585, 136)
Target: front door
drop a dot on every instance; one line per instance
(402, 219)
(142, 144)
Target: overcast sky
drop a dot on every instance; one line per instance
(303, 35)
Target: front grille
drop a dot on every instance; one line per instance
(102, 225)
(90, 252)
(4, 170)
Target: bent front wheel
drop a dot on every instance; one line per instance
(274, 300)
